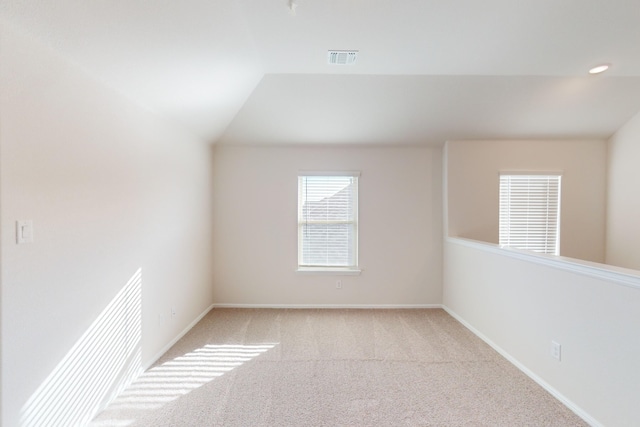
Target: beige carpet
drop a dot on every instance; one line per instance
(250, 367)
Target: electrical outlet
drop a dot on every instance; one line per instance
(338, 284)
(173, 312)
(556, 350)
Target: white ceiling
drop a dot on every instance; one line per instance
(253, 72)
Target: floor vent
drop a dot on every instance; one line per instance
(342, 57)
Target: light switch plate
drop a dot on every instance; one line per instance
(24, 231)
(556, 349)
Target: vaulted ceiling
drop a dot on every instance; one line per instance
(256, 71)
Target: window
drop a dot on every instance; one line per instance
(530, 212)
(328, 221)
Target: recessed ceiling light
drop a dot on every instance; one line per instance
(599, 69)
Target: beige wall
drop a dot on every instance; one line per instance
(623, 201)
(473, 178)
(110, 189)
(255, 232)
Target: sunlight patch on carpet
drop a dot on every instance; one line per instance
(177, 377)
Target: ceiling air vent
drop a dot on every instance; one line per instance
(342, 57)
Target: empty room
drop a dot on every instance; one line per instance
(319, 213)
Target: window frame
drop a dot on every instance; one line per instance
(557, 176)
(329, 269)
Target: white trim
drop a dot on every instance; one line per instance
(445, 190)
(530, 172)
(618, 275)
(328, 173)
(346, 206)
(113, 395)
(555, 393)
(177, 338)
(328, 306)
(529, 212)
(329, 271)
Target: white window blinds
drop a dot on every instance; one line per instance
(530, 212)
(327, 221)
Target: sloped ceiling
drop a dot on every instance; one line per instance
(193, 61)
(256, 72)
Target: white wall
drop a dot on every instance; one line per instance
(623, 196)
(473, 181)
(255, 231)
(110, 189)
(521, 303)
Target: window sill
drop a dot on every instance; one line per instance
(329, 271)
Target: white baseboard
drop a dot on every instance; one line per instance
(568, 403)
(302, 306)
(177, 338)
(555, 393)
(343, 306)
